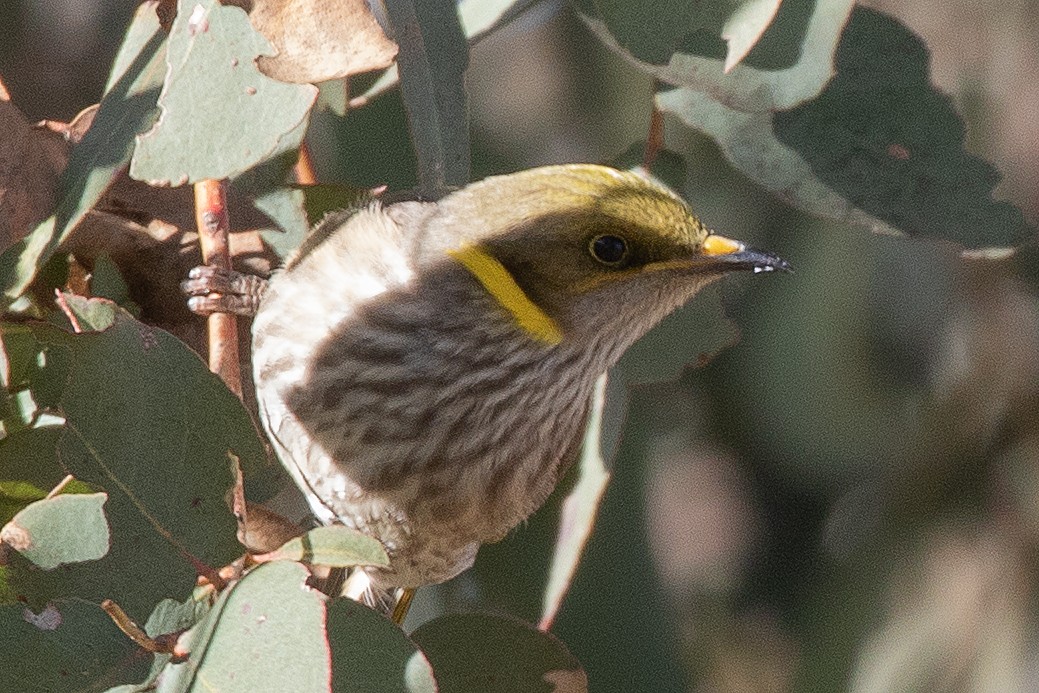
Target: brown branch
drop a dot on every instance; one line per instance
(211, 219)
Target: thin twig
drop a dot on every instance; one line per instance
(60, 487)
(212, 222)
(164, 644)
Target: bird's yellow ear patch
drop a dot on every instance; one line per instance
(500, 285)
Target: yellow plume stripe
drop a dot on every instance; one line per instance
(500, 284)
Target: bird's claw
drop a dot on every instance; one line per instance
(216, 290)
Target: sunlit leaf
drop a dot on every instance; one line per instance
(880, 146)
(333, 545)
(220, 114)
(151, 426)
(63, 529)
(682, 44)
(317, 41)
(579, 510)
(265, 633)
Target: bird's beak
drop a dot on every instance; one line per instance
(733, 255)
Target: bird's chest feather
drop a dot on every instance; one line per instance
(426, 399)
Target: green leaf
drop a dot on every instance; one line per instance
(334, 545)
(126, 109)
(432, 60)
(285, 206)
(651, 31)
(69, 645)
(683, 43)
(21, 371)
(91, 314)
(59, 530)
(29, 468)
(169, 617)
(272, 632)
(744, 28)
(107, 282)
(151, 426)
(33, 367)
(265, 633)
(372, 655)
(220, 115)
(478, 19)
(21, 491)
(880, 146)
(480, 652)
(579, 510)
(885, 139)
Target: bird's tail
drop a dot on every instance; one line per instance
(361, 586)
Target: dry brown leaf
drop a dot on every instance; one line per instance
(318, 40)
(166, 10)
(30, 162)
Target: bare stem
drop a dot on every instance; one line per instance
(164, 644)
(211, 219)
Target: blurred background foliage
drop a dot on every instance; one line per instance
(847, 498)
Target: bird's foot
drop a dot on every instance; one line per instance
(216, 290)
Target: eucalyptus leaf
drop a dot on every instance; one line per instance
(333, 545)
(880, 146)
(220, 114)
(127, 108)
(432, 60)
(147, 423)
(265, 633)
(372, 655)
(64, 529)
(481, 652)
(67, 645)
(685, 46)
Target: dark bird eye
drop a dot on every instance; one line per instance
(607, 249)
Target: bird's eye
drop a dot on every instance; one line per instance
(608, 249)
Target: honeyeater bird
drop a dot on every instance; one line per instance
(424, 369)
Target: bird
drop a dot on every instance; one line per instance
(423, 369)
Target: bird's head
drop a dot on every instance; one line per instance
(586, 252)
